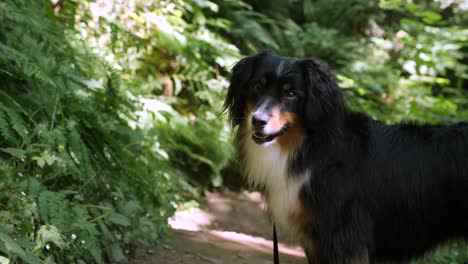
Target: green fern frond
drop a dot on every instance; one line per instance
(16, 122)
(54, 209)
(28, 67)
(78, 150)
(5, 129)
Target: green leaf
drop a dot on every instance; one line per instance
(13, 248)
(40, 161)
(95, 248)
(119, 219)
(17, 153)
(4, 260)
(5, 128)
(49, 234)
(430, 17)
(50, 159)
(116, 253)
(11, 245)
(177, 85)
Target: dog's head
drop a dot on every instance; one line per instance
(272, 96)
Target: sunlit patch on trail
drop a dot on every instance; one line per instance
(194, 220)
(233, 222)
(257, 243)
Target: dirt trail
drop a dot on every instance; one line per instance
(231, 228)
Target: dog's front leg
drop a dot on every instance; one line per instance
(346, 240)
(344, 248)
(338, 257)
(311, 254)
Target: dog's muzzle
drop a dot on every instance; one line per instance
(259, 122)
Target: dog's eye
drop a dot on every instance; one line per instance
(290, 94)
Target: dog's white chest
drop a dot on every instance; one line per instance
(268, 167)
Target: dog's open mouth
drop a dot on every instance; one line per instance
(259, 137)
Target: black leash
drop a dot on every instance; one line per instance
(275, 246)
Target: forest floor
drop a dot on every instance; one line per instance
(229, 228)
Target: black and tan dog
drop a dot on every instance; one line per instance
(348, 188)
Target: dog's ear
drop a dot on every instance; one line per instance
(236, 95)
(324, 105)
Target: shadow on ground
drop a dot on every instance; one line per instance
(231, 228)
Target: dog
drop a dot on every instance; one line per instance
(348, 188)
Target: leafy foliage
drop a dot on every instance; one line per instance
(193, 143)
(79, 182)
(177, 53)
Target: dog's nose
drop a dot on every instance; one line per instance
(259, 121)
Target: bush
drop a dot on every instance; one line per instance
(79, 181)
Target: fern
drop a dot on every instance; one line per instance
(54, 209)
(16, 121)
(27, 66)
(5, 130)
(62, 106)
(88, 239)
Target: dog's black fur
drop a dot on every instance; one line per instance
(376, 191)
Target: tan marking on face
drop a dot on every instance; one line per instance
(295, 133)
(286, 87)
(276, 121)
(287, 118)
(248, 109)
